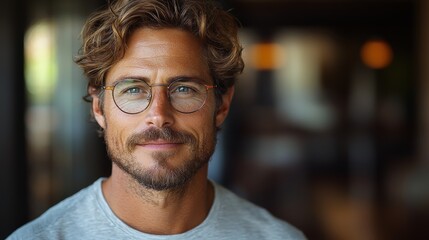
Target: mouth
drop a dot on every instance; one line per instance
(164, 139)
(159, 145)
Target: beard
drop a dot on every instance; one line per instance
(162, 176)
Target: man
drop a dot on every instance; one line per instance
(161, 80)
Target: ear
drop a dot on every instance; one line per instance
(98, 111)
(223, 110)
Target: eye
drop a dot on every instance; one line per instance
(183, 89)
(133, 90)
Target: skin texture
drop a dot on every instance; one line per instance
(159, 172)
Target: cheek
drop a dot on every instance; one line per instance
(116, 125)
(110, 106)
(202, 124)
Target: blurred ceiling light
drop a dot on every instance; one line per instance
(265, 56)
(376, 54)
(40, 63)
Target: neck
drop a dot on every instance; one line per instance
(159, 212)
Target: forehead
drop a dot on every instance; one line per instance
(156, 54)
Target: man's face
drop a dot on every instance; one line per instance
(160, 147)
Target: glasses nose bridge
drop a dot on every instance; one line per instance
(166, 85)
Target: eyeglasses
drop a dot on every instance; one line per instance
(133, 96)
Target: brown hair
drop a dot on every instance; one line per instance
(106, 33)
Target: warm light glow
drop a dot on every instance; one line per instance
(265, 56)
(376, 54)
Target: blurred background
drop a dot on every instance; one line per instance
(329, 129)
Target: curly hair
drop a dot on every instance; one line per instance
(106, 32)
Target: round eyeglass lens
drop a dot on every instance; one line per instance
(132, 96)
(187, 96)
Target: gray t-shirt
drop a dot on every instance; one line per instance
(86, 215)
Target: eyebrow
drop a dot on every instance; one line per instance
(169, 80)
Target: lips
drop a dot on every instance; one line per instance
(159, 145)
(159, 142)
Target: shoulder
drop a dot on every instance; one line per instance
(59, 216)
(253, 219)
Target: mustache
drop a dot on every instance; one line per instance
(166, 134)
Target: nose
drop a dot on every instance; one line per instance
(159, 113)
